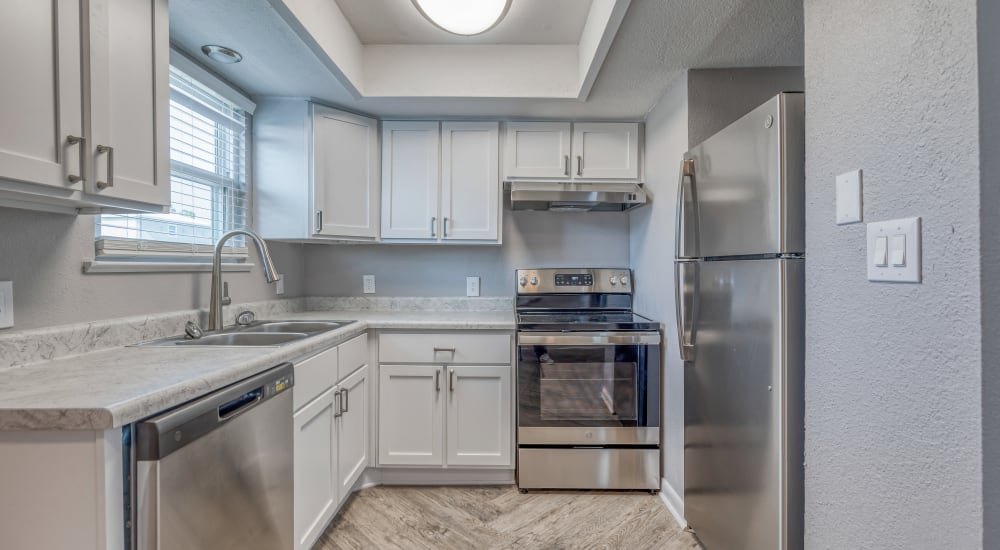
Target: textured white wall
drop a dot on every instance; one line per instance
(651, 245)
(43, 254)
(530, 239)
(893, 371)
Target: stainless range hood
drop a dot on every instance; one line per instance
(575, 196)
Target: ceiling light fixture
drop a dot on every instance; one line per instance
(222, 54)
(463, 17)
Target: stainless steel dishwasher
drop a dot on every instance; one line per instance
(216, 473)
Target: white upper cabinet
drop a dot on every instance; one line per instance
(470, 180)
(344, 173)
(410, 180)
(606, 150)
(581, 151)
(441, 182)
(538, 150)
(86, 126)
(315, 172)
(130, 100)
(41, 99)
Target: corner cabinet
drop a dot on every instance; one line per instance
(316, 172)
(579, 151)
(441, 182)
(445, 400)
(331, 440)
(86, 127)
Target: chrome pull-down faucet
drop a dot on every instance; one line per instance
(215, 303)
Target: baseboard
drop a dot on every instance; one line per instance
(448, 476)
(673, 502)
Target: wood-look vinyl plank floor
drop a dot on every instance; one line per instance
(486, 518)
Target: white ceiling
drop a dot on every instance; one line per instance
(527, 22)
(657, 40)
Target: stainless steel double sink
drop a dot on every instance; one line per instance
(255, 334)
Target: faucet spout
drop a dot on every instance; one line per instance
(215, 302)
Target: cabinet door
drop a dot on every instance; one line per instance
(411, 415)
(470, 180)
(315, 471)
(41, 98)
(129, 101)
(410, 178)
(344, 174)
(479, 416)
(606, 150)
(537, 150)
(352, 431)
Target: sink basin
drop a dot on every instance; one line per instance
(294, 326)
(250, 339)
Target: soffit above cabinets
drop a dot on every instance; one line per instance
(657, 41)
(551, 49)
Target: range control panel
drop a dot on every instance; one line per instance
(573, 280)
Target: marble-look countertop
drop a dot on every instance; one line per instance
(112, 387)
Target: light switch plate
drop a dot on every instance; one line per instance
(910, 271)
(472, 286)
(6, 304)
(849, 197)
(368, 281)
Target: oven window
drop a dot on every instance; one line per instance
(581, 385)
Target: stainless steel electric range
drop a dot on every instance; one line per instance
(588, 382)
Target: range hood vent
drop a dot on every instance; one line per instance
(576, 196)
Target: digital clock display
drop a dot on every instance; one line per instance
(574, 279)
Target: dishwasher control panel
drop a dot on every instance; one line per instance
(279, 385)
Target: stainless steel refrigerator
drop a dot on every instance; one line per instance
(739, 276)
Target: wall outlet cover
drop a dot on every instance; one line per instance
(849, 201)
(472, 286)
(368, 282)
(6, 304)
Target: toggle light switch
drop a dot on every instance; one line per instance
(881, 255)
(898, 250)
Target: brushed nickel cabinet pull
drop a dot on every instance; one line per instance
(451, 380)
(111, 166)
(319, 221)
(445, 233)
(433, 225)
(437, 380)
(82, 142)
(579, 165)
(566, 164)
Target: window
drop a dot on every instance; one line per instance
(209, 195)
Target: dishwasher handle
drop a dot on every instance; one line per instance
(163, 434)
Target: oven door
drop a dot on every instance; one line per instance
(588, 388)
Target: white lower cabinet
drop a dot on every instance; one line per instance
(352, 430)
(411, 415)
(478, 418)
(316, 487)
(434, 412)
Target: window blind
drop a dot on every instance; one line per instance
(209, 194)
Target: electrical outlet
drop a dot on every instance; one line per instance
(472, 286)
(6, 304)
(369, 284)
(279, 285)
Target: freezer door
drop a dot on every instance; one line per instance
(743, 395)
(748, 184)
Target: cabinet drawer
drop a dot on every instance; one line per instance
(353, 354)
(444, 348)
(314, 376)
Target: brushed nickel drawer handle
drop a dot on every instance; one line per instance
(438, 350)
(111, 166)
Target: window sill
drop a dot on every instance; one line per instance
(102, 266)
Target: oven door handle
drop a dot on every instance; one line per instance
(587, 338)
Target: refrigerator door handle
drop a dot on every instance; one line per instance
(685, 345)
(687, 171)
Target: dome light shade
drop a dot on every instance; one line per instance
(463, 17)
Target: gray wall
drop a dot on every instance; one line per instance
(893, 371)
(651, 250)
(717, 97)
(989, 146)
(530, 239)
(43, 254)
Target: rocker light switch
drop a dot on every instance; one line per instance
(898, 251)
(881, 256)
